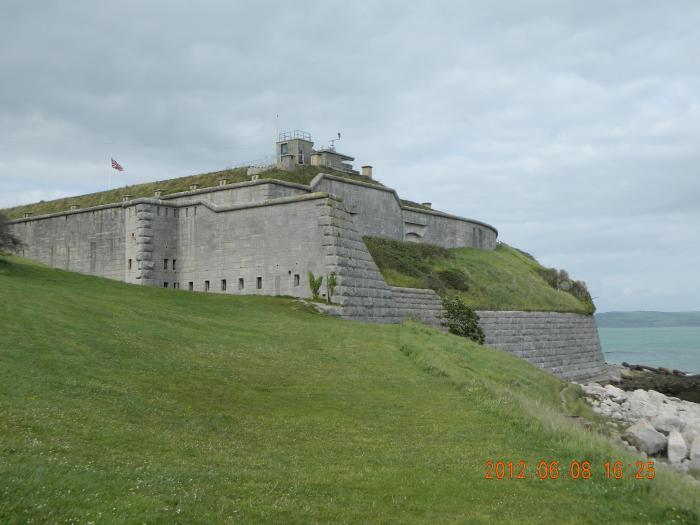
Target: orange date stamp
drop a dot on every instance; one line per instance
(576, 470)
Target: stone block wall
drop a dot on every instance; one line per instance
(448, 231)
(415, 303)
(562, 343)
(361, 289)
(90, 241)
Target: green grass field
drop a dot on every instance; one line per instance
(302, 175)
(127, 404)
(502, 279)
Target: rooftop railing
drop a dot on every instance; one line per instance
(296, 134)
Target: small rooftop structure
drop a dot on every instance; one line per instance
(295, 148)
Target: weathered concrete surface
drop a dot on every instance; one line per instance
(565, 344)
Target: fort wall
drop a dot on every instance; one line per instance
(86, 241)
(211, 238)
(378, 211)
(375, 210)
(446, 230)
(562, 343)
(270, 247)
(263, 237)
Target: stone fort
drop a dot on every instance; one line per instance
(263, 236)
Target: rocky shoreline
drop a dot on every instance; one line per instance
(669, 382)
(646, 404)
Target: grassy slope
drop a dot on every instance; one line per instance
(503, 279)
(301, 176)
(127, 404)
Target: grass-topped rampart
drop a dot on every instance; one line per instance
(302, 175)
(502, 279)
(133, 404)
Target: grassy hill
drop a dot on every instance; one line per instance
(124, 404)
(301, 176)
(647, 319)
(503, 279)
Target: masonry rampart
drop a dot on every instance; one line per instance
(415, 303)
(375, 210)
(446, 230)
(563, 343)
(85, 241)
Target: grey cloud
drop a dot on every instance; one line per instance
(572, 127)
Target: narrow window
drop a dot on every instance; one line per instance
(206, 286)
(195, 210)
(258, 283)
(284, 148)
(223, 285)
(176, 285)
(158, 211)
(191, 285)
(187, 212)
(166, 212)
(165, 284)
(240, 283)
(165, 264)
(174, 264)
(129, 264)
(296, 279)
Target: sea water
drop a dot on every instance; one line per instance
(677, 347)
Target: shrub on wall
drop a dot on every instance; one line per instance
(315, 285)
(461, 320)
(331, 283)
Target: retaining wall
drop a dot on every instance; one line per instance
(565, 344)
(414, 303)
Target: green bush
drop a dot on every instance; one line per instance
(455, 279)
(462, 320)
(331, 283)
(560, 280)
(315, 285)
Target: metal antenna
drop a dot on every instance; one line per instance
(333, 141)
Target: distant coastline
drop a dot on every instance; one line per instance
(642, 319)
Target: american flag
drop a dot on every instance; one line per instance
(117, 166)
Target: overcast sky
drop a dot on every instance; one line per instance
(573, 127)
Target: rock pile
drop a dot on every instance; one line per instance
(656, 424)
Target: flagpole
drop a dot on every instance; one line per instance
(109, 177)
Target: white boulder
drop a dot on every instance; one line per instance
(667, 423)
(677, 449)
(694, 454)
(594, 389)
(615, 393)
(641, 404)
(645, 437)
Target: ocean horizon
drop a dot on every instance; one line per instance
(670, 347)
